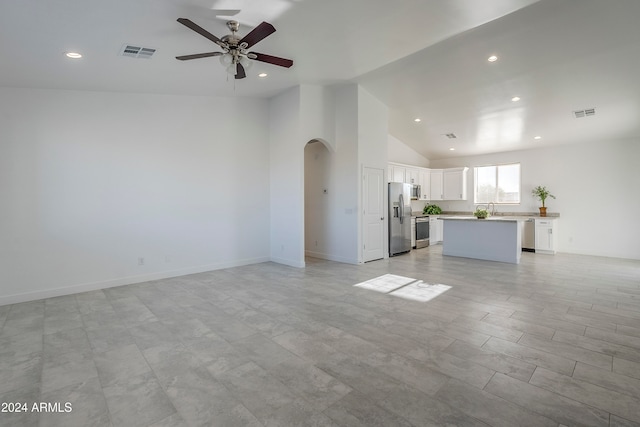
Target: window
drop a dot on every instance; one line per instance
(497, 184)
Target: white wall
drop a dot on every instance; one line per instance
(399, 152)
(90, 182)
(344, 215)
(373, 130)
(334, 220)
(317, 119)
(595, 186)
(286, 179)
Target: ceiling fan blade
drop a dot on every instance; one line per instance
(198, 29)
(258, 33)
(240, 73)
(198, 55)
(282, 62)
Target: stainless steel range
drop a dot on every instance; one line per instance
(422, 231)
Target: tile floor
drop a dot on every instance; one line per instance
(552, 341)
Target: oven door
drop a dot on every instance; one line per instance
(422, 232)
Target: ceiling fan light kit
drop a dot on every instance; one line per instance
(235, 56)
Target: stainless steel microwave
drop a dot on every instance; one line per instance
(415, 192)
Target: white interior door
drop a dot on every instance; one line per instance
(374, 214)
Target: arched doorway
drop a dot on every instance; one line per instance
(317, 199)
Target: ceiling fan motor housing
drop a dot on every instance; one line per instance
(231, 40)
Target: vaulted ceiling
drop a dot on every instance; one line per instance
(425, 59)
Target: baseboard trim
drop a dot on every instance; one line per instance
(129, 280)
(329, 257)
(288, 262)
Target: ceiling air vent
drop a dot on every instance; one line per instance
(584, 113)
(137, 52)
(450, 135)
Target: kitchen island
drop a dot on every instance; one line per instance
(492, 239)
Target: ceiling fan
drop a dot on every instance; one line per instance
(235, 56)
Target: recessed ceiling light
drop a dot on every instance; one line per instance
(537, 137)
(418, 120)
(515, 99)
(73, 55)
(262, 75)
(452, 149)
(492, 58)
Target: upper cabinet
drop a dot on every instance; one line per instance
(435, 187)
(435, 184)
(412, 176)
(425, 184)
(396, 173)
(454, 184)
(406, 174)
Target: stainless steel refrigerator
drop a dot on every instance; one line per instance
(399, 218)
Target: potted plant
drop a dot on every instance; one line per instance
(481, 213)
(432, 210)
(542, 193)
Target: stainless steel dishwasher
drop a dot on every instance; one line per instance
(529, 235)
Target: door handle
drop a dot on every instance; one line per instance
(381, 218)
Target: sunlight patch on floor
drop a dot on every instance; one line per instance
(420, 291)
(404, 287)
(385, 283)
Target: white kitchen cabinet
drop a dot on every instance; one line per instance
(412, 176)
(397, 173)
(454, 184)
(425, 184)
(413, 231)
(435, 186)
(546, 235)
(435, 230)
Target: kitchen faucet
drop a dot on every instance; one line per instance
(493, 207)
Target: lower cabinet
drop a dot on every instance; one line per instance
(546, 236)
(435, 230)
